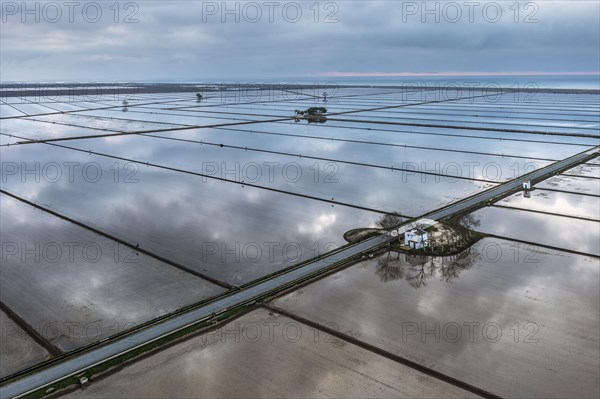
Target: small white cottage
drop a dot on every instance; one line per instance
(416, 238)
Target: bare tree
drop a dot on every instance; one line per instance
(390, 269)
(468, 221)
(463, 261)
(418, 276)
(389, 221)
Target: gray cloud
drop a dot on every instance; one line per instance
(189, 40)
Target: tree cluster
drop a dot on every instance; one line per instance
(312, 111)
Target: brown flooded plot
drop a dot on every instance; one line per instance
(265, 355)
(511, 320)
(17, 349)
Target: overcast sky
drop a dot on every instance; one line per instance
(278, 39)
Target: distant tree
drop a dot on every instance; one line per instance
(316, 111)
(312, 115)
(198, 97)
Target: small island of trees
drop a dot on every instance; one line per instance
(312, 115)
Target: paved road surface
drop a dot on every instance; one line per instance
(79, 363)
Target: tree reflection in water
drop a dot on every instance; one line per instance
(390, 267)
(417, 269)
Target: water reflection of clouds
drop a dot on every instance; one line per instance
(562, 203)
(319, 223)
(95, 288)
(370, 187)
(559, 294)
(174, 214)
(557, 231)
(17, 350)
(461, 164)
(573, 184)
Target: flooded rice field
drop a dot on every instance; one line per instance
(556, 231)
(561, 212)
(516, 320)
(559, 203)
(75, 287)
(289, 358)
(18, 349)
(118, 210)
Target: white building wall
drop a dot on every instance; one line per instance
(416, 241)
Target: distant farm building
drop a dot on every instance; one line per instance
(416, 239)
(527, 189)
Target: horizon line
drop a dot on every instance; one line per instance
(454, 73)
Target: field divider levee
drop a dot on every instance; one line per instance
(482, 128)
(223, 179)
(581, 176)
(516, 208)
(118, 240)
(139, 132)
(557, 190)
(537, 245)
(381, 352)
(332, 160)
(81, 110)
(32, 332)
(30, 383)
(505, 189)
(426, 110)
(250, 294)
(279, 119)
(398, 145)
(431, 133)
